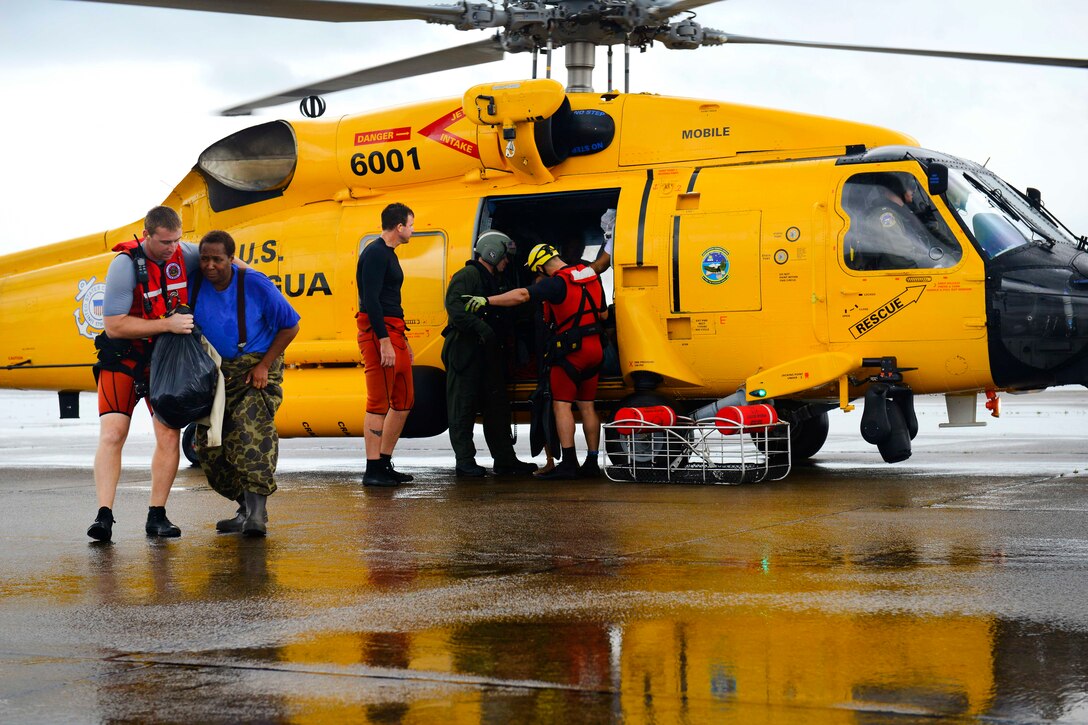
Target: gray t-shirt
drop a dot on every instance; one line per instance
(121, 279)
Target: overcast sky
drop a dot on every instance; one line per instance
(105, 108)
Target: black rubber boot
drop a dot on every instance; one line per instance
(158, 524)
(590, 469)
(567, 469)
(256, 515)
(397, 475)
(233, 525)
(377, 475)
(102, 528)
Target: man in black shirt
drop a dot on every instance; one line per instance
(383, 342)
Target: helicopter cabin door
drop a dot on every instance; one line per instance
(715, 262)
(899, 274)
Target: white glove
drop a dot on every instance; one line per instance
(608, 226)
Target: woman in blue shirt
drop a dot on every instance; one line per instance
(251, 336)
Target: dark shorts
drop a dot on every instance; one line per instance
(386, 388)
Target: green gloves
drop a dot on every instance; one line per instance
(474, 303)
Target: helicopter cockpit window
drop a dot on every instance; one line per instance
(894, 225)
(996, 225)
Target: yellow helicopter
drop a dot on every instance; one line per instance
(755, 258)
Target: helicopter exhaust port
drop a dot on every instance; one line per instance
(529, 126)
(889, 421)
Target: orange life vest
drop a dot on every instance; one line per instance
(158, 289)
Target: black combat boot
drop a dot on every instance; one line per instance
(515, 468)
(256, 515)
(233, 525)
(102, 528)
(158, 524)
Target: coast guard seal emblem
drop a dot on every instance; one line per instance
(89, 318)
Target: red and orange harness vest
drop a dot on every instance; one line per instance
(159, 289)
(576, 317)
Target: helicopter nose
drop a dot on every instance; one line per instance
(1038, 317)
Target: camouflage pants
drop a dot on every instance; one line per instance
(247, 459)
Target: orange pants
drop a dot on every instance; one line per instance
(386, 388)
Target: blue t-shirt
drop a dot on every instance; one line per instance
(267, 312)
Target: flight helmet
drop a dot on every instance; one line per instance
(493, 245)
(540, 254)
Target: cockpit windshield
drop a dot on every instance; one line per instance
(998, 216)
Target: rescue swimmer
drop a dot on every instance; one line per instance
(574, 308)
(145, 283)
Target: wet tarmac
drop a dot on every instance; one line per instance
(951, 587)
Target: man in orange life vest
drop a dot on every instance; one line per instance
(574, 306)
(145, 281)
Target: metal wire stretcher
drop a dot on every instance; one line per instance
(711, 450)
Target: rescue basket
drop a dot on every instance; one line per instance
(718, 450)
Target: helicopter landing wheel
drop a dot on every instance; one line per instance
(808, 432)
(187, 445)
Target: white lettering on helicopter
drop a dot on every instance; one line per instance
(908, 296)
(385, 135)
(717, 132)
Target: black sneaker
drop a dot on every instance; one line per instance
(397, 475)
(379, 477)
(470, 470)
(102, 528)
(159, 525)
(516, 468)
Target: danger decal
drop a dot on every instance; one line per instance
(436, 131)
(385, 135)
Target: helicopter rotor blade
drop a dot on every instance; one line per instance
(484, 51)
(714, 37)
(667, 11)
(322, 10)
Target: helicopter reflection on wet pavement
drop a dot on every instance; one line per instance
(850, 592)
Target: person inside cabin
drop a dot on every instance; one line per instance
(892, 226)
(250, 324)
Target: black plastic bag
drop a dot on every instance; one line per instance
(183, 379)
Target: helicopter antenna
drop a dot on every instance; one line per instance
(626, 66)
